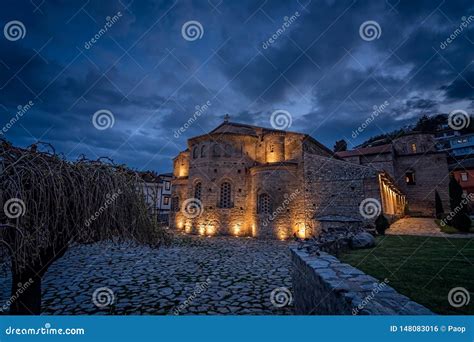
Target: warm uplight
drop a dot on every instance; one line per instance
(237, 229)
(202, 230)
(301, 232)
(210, 230)
(180, 224)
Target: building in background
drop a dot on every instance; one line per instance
(415, 165)
(157, 191)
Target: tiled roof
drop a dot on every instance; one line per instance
(387, 148)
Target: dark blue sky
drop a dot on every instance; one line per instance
(151, 79)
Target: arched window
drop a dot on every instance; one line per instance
(203, 151)
(195, 152)
(226, 195)
(263, 205)
(175, 204)
(410, 177)
(228, 150)
(197, 191)
(216, 150)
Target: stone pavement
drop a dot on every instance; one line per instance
(218, 275)
(421, 227)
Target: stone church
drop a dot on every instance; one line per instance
(246, 180)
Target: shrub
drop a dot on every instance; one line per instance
(459, 206)
(438, 206)
(381, 224)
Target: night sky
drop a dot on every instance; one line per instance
(322, 69)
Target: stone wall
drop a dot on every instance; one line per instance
(322, 285)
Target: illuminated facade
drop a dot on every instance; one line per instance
(245, 180)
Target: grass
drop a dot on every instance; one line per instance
(422, 268)
(450, 229)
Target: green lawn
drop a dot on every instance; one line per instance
(451, 230)
(422, 268)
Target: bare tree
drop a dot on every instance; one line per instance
(50, 203)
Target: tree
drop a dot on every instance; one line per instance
(459, 206)
(381, 224)
(340, 145)
(49, 203)
(438, 206)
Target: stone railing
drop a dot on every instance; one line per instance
(323, 285)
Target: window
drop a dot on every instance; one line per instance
(228, 150)
(216, 150)
(175, 204)
(464, 176)
(410, 177)
(413, 148)
(263, 205)
(203, 151)
(226, 194)
(195, 152)
(166, 200)
(167, 185)
(197, 191)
